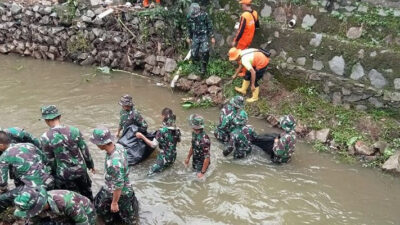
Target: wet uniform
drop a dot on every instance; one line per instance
(225, 122)
(284, 149)
(117, 177)
(18, 135)
(133, 116)
(69, 158)
(201, 149)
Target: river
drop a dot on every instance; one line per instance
(312, 189)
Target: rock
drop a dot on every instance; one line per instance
(380, 146)
(276, 34)
(301, 130)
(151, 60)
(337, 98)
(388, 39)
(373, 54)
(214, 89)
(290, 60)
(90, 14)
(159, 25)
(139, 55)
(266, 11)
(86, 19)
(391, 96)
(55, 30)
(15, 8)
(361, 54)
(392, 164)
(3, 49)
(301, 61)
(213, 80)
(199, 89)
(317, 65)
(362, 149)
(316, 41)
(83, 56)
(351, 150)
(283, 55)
(396, 13)
(184, 84)
(362, 8)
(375, 102)
(280, 15)
(46, 10)
(377, 79)
(361, 107)
(272, 120)
(96, 2)
(357, 72)
(161, 58)
(346, 91)
(337, 65)
(397, 83)
(170, 65)
(350, 8)
(89, 61)
(382, 12)
(193, 77)
(320, 135)
(308, 21)
(354, 33)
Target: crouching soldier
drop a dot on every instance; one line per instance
(57, 205)
(129, 115)
(227, 114)
(200, 146)
(167, 138)
(18, 135)
(284, 144)
(27, 163)
(116, 201)
(67, 153)
(240, 138)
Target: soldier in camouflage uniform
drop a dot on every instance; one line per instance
(129, 115)
(200, 146)
(67, 153)
(227, 114)
(28, 166)
(49, 207)
(284, 144)
(200, 32)
(241, 137)
(116, 201)
(167, 137)
(18, 135)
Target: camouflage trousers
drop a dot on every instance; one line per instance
(81, 185)
(128, 207)
(239, 151)
(200, 48)
(198, 164)
(162, 163)
(221, 135)
(277, 159)
(7, 198)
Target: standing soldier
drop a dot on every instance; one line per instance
(67, 153)
(255, 61)
(200, 32)
(18, 135)
(116, 201)
(227, 114)
(200, 146)
(167, 137)
(284, 144)
(129, 115)
(241, 137)
(56, 204)
(27, 163)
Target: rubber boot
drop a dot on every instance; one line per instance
(146, 3)
(203, 69)
(243, 89)
(254, 98)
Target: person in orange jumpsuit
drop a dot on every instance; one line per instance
(146, 3)
(248, 24)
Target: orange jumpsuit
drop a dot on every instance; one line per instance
(248, 24)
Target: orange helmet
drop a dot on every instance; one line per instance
(234, 54)
(246, 2)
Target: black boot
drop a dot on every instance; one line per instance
(203, 69)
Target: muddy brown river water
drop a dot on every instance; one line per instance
(312, 189)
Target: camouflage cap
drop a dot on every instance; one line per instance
(126, 100)
(194, 10)
(241, 119)
(101, 136)
(237, 101)
(287, 123)
(196, 121)
(30, 202)
(49, 112)
(169, 120)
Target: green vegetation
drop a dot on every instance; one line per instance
(77, 44)
(217, 67)
(197, 104)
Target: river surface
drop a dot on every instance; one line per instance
(312, 189)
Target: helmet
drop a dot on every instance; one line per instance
(196, 121)
(234, 54)
(246, 2)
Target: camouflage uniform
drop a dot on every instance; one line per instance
(284, 148)
(132, 116)
(241, 137)
(200, 32)
(227, 115)
(18, 135)
(200, 144)
(63, 205)
(69, 157)
(167, 137)
(27, 163)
